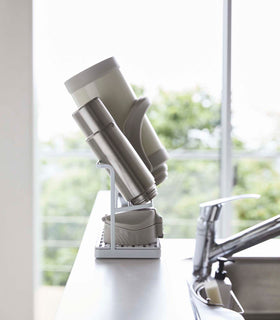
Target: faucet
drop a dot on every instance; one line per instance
(207, 250)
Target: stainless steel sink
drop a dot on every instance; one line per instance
(256, 283)
(255, 278)
(204, 310)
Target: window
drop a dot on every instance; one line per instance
(171, 52)
(255, 109)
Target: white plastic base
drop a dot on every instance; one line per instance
(151, 251)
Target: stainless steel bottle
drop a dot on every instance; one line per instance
(133, 179)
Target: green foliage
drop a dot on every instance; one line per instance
(70, 181)
(64, 230)
(261, 177)
(68, 189)
(189, 183)
(63, 259)
(138, 90)
(186, 119)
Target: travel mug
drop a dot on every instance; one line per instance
(105, 80)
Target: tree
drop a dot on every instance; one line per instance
(187, 120)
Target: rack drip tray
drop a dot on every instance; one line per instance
(147, 251)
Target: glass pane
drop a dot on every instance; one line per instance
(186, 119)
(68, 188)
(63, 230)
(255, 74)
(174, 45)
(255, 107)
(261, 177)
(189, 183)
(57, 264)
(171, 52)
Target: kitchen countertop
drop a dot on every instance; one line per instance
(127, 289)
(135, 289)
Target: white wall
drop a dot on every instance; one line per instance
(16, 160)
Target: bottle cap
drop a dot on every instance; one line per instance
(91, 74)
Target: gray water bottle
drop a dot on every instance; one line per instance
(133, 179)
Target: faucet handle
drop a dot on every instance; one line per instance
(210, 210)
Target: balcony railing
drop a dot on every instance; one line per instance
(180, 155)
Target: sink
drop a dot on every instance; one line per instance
(203, 310)
(256, 284)
(255, 278)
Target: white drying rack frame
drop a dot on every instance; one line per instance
(104, 250)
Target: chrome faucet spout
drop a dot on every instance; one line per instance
(207, 250)
(245, 239)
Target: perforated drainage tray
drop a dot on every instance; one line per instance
(147, 251)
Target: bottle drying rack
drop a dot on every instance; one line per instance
(106, 250)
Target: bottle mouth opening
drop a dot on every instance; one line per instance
(146, 196)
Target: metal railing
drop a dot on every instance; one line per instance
(180, 155)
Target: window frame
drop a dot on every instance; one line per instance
(226, 168)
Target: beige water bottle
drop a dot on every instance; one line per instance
(105, 80)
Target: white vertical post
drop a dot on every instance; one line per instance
(224, 226)
(16, 169)
(113, 206)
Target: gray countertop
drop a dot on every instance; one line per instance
(127, 289)
(134, 289)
